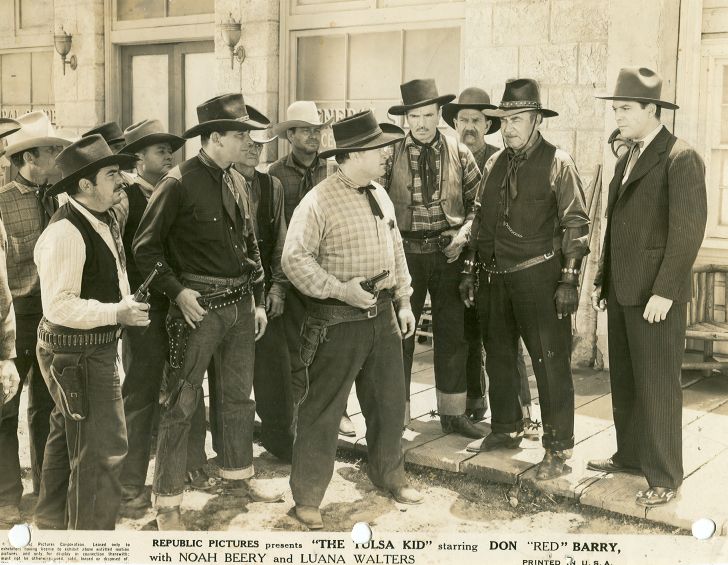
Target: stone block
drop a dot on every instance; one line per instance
(593, 64)
(704, 396)
(90, 83)
(589, 150)
(423, 361)
(521, 23)
(563, 139)
(446, 453)
(423, 403)
(549, 64)
(89, 17)
(490, 67)
(616, 493)
(578, 20)
(577, 108)
(260, 74)
(504, 465)
(420, 432)
(260, 39)
(259, 10)
(589, 385)
(478, 25)
(593, 418)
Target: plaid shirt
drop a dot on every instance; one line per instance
(7, 315)
(290, 175)
(334, 237)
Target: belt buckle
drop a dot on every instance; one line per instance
(372, 312)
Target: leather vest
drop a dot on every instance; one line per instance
(451, 184)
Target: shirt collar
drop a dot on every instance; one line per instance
(27, 186)
(294, 163)
(646, 140)
(410, 140)
(533, 144)
(95, 222)
(210, 165)
(136, 178)
(346, 180)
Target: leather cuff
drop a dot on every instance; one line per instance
(470, 264)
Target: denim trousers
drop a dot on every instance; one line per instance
(226, 336)
(80, 487)
(40, 405)
(367, 353)
(522, 304)
(431, 272)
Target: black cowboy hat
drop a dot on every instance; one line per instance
(110, 131)
(227, 112)
(520, 95)
(472, 98)
(641, 85)
(361, 132)
(417, 93)
(88, 154)
(148, 132)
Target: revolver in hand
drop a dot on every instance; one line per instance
(142, 293)
(370, 284)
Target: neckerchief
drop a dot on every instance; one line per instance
(46, 204)
(427, 166)
(306, 183)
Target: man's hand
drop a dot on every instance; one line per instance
(132, 313)
(355, 295)
(599, 304)
(10, 380)
(274, 305)
(191, 310)
(459, 239)
(406, 322)
(261, 322)
(657, 309)
(467, 290)
(567, 300)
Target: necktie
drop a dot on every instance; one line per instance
(634, 154)
(230, 197)
(118, 242)
(46, 205)
(427, 168)
(373, 204)
(510, 181)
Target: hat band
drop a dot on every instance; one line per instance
(364, 138)
(521, 104)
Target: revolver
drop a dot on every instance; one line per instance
(370, 284)
(142, 293)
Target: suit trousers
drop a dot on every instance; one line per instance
(644, 371)
(367, 353)
(522, 304)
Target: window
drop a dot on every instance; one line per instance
(144, 9)
(26, 83)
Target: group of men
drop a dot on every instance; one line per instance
(298, 284)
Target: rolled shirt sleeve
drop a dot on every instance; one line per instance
(573, 216)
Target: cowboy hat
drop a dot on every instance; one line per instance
(361, 132)
(110, 131)
(472, 98)
(417, 93)
(227, 112)
(148, 132)
(35, 130)
(83, 157)
(263, 135)
(8, 126)
(520, 95)
(301, 114)
(641, 85)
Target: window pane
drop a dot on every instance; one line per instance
(139, 9)
(16, 79)
(321, 70)
(433, 53)
(42, 76)
(150, 88)
(36, 13)
(189, 7)
(380, 51)
(196, 91)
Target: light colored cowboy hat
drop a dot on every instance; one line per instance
(520, 95)
(227, 112)
(148, 132)
(417, 93)
(35, 130)
(361, 132)
(641, 85)
(301, 114)
(472, 98)
(263, 136)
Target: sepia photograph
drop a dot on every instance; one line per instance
(364, 281)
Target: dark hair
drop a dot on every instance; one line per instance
(17, 158)
(90, 177)
(342, 157)
(205, 135)
(658, 108)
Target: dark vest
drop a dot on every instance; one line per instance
(137, 205)
(99, 280)
(265, 220)
(530, 229)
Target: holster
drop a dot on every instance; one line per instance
(68, 378)
(313, 332)
(178, 332)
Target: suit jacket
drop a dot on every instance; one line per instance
(655, 223)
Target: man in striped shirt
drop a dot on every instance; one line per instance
(433, 182)
(343, 231)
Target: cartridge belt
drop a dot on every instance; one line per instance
(493, 270)
(217, 281)
(61, 338)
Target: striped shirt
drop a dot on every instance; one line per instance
(60, 255)
(333, 237)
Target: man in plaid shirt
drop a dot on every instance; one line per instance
(343, 231)
(433, 181)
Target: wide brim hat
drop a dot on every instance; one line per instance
(301, 114)
(417, 93)
(472, 98)
(35, 130)
(520, 95)
(227, 112)
(263, 136)
(149, 132)
(81, 158)
(639, 84)
(361, 132)
(110, 131)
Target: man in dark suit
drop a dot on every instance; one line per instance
(655, 224)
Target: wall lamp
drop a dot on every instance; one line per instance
(62, 43)
(231, 31)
